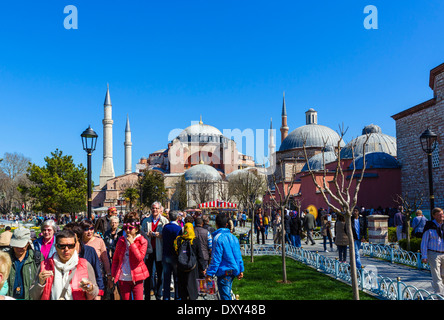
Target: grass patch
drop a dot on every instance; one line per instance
(263, 281)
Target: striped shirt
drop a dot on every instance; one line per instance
(431, 241)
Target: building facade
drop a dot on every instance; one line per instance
(410, 124)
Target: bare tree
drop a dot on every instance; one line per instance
(12, 175)
(344, 194)
(410, 203)
(202, 188)
(248, 186)
(281, 197)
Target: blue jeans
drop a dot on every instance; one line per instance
(224, 284)
(169, 266)
(295, 240)
(357, 254)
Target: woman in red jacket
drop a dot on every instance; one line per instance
(128, 266)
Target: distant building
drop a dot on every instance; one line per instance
(381, 181)
(410, 124)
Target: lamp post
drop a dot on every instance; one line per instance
(428, 144)
(140, 178)
(89, 141)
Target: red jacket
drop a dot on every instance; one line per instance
(81, 272)
(137, 252)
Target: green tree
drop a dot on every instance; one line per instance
(59, 186)
(181, 193)
(131, 195)
(153, 188)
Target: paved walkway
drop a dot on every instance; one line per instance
(421, 279)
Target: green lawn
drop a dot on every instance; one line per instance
(263, 281)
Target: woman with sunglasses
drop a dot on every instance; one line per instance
(128, 266)
(90, 238)
(65, 276)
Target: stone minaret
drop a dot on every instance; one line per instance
(128, 145)
(284, 127)
(271, 144)
(107, 164)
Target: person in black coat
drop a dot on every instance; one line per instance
(295, 229)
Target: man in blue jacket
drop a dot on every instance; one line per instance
(226, 258)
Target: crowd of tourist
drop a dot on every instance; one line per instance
(160, 255)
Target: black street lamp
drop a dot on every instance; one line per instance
(428, 144)
(140, 178)
(89, 141)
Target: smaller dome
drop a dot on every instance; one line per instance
(317, 161)
(314, 135)
(377, 142)
(202, 171)
(371, 128)
(376, 160)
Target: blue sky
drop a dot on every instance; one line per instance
(168, 62)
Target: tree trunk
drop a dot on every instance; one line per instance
(353, 271)
(251, 234)
(284, 265)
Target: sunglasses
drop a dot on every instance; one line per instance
(63, 246)
(130, 226)
(89, 229)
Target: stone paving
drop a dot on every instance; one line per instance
(421, 279)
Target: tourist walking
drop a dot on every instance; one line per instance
(187, 276)
(25, 264)
(65, 276)
(5, 267)
(295, 229)
(259, 224)
(128, 266)
(46, 243)
(418, 224)
(341, 238)
(226, 262)
(432, 249)
(326, 232)
(309, 225)
(358, 229)
(169, 257)
(153, 228)
(90, 238)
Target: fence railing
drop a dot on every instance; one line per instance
(394, 254)
(369, 281)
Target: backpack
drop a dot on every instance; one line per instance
(186, 260)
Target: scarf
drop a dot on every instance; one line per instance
(61, 275)
(188, 234)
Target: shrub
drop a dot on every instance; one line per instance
(415, 244)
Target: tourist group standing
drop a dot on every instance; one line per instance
(155, 256)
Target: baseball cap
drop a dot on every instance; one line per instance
(20, 238)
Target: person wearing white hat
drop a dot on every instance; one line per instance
(25, 264)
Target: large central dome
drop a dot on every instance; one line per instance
(200, 132)
(201, 128)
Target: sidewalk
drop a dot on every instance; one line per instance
(421, 279)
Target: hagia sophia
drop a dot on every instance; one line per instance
(202, 150)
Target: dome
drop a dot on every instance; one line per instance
(317, 161)
(201, 129)
(377, 142)
(201, 171)
(376, 160)
(316, 134)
